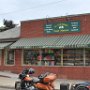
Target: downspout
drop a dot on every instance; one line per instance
(84, 57)
(61, 56)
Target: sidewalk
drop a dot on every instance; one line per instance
(8, 79)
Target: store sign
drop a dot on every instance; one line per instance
(62, 27)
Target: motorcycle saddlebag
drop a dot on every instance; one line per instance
(41, 86)
(49, 78)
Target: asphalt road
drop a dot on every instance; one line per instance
(6, 89)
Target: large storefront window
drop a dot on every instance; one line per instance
(57, 57)
(30, 57)
(46, 57)
(73, 57)
(87, 57)
(9, 57)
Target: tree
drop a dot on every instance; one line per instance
(9, 23)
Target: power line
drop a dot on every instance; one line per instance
(42, 5)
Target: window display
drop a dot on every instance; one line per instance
(57, 57)
(46, 57)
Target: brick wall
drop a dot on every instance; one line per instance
(35, 28)
(82, 73)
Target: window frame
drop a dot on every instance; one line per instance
(0, 56)
(6, 57)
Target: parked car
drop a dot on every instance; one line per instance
(81, 86)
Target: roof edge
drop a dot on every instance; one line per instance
(72, 15)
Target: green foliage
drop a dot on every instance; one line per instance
(7, 25)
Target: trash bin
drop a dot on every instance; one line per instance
(64, 86)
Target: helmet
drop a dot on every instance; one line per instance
(31, 71)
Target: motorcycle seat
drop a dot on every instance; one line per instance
(35, 80)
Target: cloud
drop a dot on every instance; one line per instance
(19, 10)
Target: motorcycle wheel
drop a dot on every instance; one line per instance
(18, 85)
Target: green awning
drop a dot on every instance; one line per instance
(43, 42)
(5, 45)
(74, 41)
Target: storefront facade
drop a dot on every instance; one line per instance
(60, 45)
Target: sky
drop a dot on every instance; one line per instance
(22, 10)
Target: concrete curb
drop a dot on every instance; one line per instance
(14, 88)
(5, 76)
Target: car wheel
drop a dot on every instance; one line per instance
(81, 87)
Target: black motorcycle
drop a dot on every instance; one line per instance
(26, 82)
(42, 82)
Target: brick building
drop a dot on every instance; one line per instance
(60, 45)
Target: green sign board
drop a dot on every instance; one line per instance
(62, 27)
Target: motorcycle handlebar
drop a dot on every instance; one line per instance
(43, 75)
